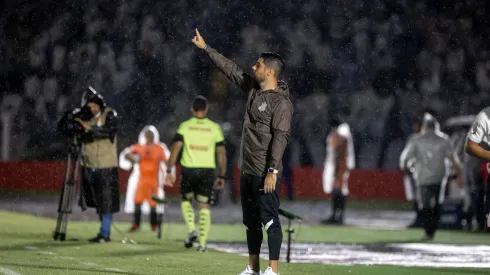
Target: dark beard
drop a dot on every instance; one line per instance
(259, 79)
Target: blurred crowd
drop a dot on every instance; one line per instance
(376, 64)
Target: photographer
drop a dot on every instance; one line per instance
(99, 184)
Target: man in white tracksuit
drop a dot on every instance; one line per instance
(431, 150)
(340, 160)
(127, 161)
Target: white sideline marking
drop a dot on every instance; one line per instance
(7, 271)
(66, 258)
(90, 264)
(115, 269)
(403, 254)
(47, 252)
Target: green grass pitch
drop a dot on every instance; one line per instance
(27, 247)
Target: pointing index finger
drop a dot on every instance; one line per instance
(197, 33)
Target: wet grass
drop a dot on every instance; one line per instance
(167, 256)
(372, 205)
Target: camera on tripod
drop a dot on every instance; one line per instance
(69, 127)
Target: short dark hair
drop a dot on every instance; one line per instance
(274, 61)
(95, 98)
(200, 103)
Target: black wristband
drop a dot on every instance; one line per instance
(221, 177)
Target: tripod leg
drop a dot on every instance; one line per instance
(74, 183)
(56, 233)
(62, 201)
(59, 221)
(67, 204)
(70, 197)
(160, 221)
(288, 258)
(66, 211)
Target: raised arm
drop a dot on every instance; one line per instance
(229, 68)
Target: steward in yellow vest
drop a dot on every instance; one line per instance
(99, 183)
(201, 139)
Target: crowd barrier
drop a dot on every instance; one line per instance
(307, 181)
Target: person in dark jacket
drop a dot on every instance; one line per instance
(266, 131)
(99, 161)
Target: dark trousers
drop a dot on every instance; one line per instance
(261, 209)
(430, 207)
(100, 189)
(487, 204)
(418, 217)
(137, 215)
(478, 206)
(475, 186)
(338, 206)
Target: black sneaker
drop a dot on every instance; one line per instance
(99, 239)
(191, 238)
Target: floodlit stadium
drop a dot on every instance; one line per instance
(386, 141)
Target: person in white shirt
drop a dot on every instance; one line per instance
(339, 162)
(478, 145)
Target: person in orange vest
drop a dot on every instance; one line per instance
(148, 159)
